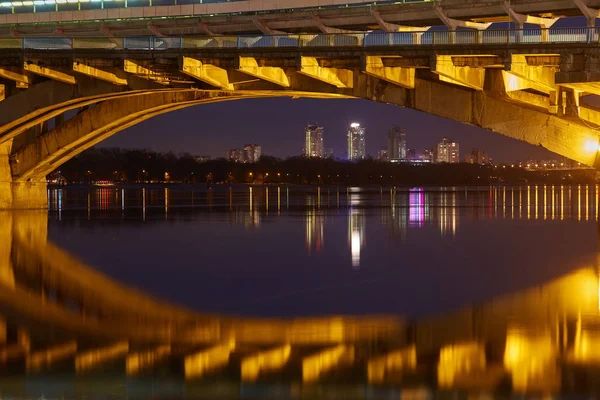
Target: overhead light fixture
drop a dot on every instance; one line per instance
(6, 4)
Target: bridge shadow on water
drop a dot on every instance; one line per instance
(68, 331)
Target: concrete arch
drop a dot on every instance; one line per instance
(112, 115)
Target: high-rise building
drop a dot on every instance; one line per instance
(396, 144)
(430, 154)
(251, 153)
(313, 141)
(382, 155)
(447, 151)
(477, 157)
(236, 155)
(356, 142)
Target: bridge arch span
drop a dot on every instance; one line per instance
(490, 98)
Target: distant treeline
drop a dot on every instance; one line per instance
(123, 165)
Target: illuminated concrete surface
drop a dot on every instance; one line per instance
(537, 94)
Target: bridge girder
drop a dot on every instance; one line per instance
(542, 87)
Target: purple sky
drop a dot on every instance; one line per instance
(278, 125)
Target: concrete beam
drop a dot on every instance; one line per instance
(589, 13)
(391, 27)
(276, 75)
(541, 77)
(110, 75)
(314, 366)
(198, 364)
(453, 24)
(264, 361)
(2, 92)
(206, 73)
(398, 360)
(22, 78)
(137, 362)
(401, 76)
(144, 69)
(262, 26)
(328, 30)
(204, 26)
(154, 30)
(465, 76)
(56, 74)
(338, 77)
(45, 358)
(93, 358)
(520, 20)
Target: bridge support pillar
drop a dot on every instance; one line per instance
(19, 195)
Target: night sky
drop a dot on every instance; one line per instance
(278, 125)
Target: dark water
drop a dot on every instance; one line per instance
(294, 251)
(168, 292)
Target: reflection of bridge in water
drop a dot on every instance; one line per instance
(60, 316)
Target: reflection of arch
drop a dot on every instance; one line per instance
(55, 308)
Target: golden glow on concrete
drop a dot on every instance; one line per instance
(531, 360)
(401, 76)
(318, 364)
(143, 69)
(459, 75)
(403, 360)
(270, 360)
(198, 364)
(2, 92)
(45, 358)
(541, 77)
(51, 73)
(276, 75)
(208, 73)
(94, 358)
(98, 73)
(137, 362)
(338, 77)
(17, 75)
(460, 360)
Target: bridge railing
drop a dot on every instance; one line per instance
(366, 39)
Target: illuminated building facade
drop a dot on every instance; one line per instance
(356, 142)
(235, 155)
(313, 142)
(252, 153)
(397, 144)
(448, 151)
(477, 157)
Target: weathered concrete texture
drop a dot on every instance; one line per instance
(19, 195)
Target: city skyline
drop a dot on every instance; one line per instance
(280, 134)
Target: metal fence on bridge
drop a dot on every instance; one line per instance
(366, 39)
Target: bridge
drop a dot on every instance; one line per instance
(61, 318)
(62, 93)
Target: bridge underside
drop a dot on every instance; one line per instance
(55, 108)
